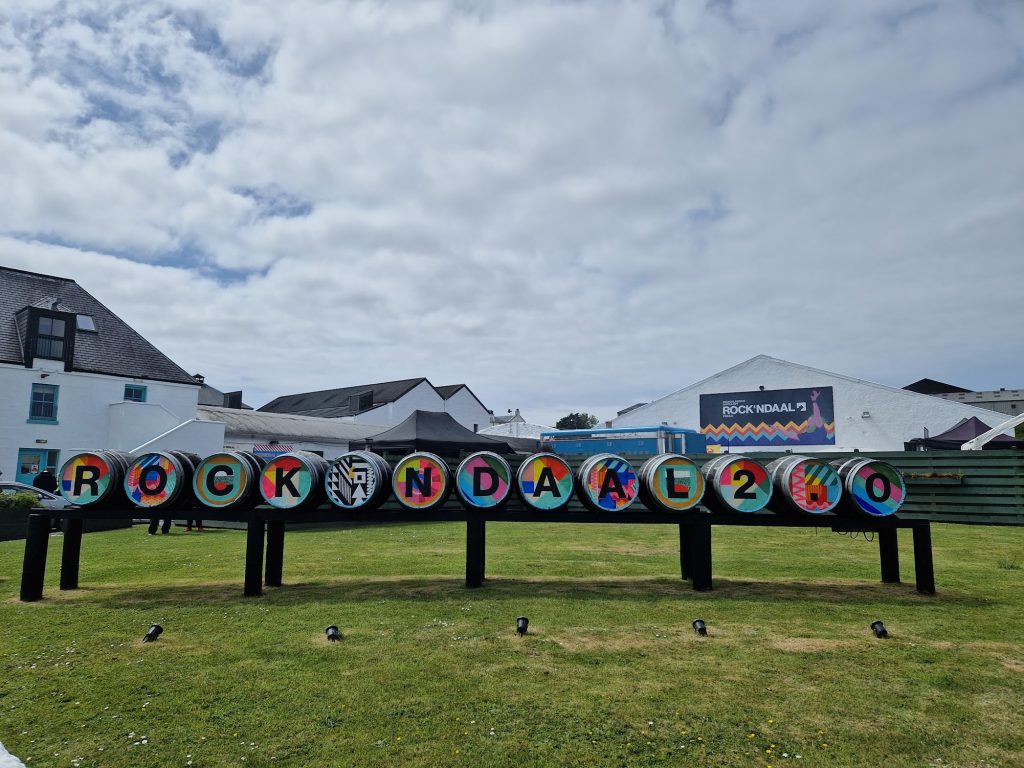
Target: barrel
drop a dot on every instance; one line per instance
(161, 480)
(670, 482)
(358, 480)
(806, 485)
(738, 484)
(228, 480)
(294, 480)
(483, 480)
(94, 478)
(544, 482)
(421, 481)
(607, 483)
(872, 487)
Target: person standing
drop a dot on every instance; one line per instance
(45, 481)
(154, 523)
(188, 525)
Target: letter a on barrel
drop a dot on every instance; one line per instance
(483, 481)
(544, 482)
(607, 483)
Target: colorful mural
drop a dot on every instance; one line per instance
(877, 488)
(483, 480)
(545, 481)
(608, 482)
(813, 486)
(421, 481)
(286, 482)
(85, 479)
(742, 484)
(782, 417)
(152, 480)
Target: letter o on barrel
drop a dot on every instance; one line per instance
(421, 481)
(607, 483)
(93, 478)
(483, 481)
(160, 479)
(874, 488)
(545, 482)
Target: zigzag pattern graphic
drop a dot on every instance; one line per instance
(753, 432)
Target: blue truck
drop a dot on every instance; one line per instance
(648, 441)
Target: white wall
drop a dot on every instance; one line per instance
(422, 397)
(467, 410)
(85, 419)
(896, 415)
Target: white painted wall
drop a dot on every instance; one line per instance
(467, 410)
(896, 415)
(422, 397)
(86, 419)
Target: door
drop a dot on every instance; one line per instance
(32, 461)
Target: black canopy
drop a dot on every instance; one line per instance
(960, 433)
(436, 432)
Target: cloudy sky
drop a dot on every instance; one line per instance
(565, 205)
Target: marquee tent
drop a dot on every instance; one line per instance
(960, 433)
(436, 432)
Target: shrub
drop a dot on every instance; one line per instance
(18, 501)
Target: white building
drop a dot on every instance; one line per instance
(771, 404)
(75, 377)
(387, 403)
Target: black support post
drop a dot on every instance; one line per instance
(889, 554)
(700, 556)
(254, 558)
(924, 569)
(474, 552)
(72, 554)
(275, 553)
(33, 569)
(483, 550)
(684, 553)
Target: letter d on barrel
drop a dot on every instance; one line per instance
(483, 481)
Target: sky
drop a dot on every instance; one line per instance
(567, 206)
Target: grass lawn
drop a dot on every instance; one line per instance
(432, 674)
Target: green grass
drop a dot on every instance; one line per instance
(610, 674)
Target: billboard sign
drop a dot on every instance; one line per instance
(769, 418)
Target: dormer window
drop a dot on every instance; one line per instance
(50, 338)
(86, 323)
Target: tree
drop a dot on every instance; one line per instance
(577, 421)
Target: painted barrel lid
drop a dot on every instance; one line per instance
(671, 482)
(293, 480)
(93, 477)
(226, 479)
(808, 485)
(358, 480)
(607, 483)
(421, 481)
(873, 487)
(483, 480)
(738, 483)
(157, 479)
(544, 481)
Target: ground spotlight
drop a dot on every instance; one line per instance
(333, 634)
(700, 627)
(879, 629)
(153, 634)
(521, 624)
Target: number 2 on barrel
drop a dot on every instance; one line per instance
(748, 479)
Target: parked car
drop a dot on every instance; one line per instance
(46, 499)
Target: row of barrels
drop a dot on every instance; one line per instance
(362, 481)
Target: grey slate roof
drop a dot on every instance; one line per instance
(286, 426)
(115, 349)
(332, 403)
(449, 389)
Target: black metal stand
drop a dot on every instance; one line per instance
(684, 553)
(700, 556)
(889, 555)
(33, 569)
(275, 553)
(254, 558)
(476, 533)
(72, 554)
(924, 569)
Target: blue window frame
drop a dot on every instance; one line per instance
(43, 408)
(135, 393)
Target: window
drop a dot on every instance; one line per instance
(50, 338)
(86, 323)
(44, 404)
(135, 393)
